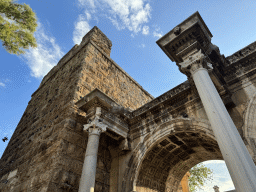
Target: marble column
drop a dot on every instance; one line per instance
(239, 162)
(95, 127)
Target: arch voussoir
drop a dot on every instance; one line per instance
(249, 128)
(170, 146)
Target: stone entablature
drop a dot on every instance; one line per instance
(118, 125)
(179, 42)
(242, 53)
(238, 70)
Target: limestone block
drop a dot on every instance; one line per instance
(12, 174)
(5, 176)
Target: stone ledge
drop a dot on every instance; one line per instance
(242, 53)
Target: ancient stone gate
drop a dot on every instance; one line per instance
(144, 143)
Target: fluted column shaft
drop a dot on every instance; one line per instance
(239, 162)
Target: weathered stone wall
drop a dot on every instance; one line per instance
(168, 135)
(100, 71)
(46, 151)
(241, 80)
(161, 158)
(35, 147)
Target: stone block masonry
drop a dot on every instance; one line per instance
(148, 144)
(47, 148)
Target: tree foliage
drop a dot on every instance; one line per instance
(17, 26)
(199, 174)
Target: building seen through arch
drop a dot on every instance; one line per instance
(91, 127)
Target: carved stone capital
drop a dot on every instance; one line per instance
(195, 62)
(95, 126)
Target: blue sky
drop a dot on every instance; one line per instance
(133, 26)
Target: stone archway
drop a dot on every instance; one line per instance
(161, 160)
(250, 127)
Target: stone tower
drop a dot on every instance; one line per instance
(47, 148)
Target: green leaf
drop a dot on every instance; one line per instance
(199, 174)
(17, 26)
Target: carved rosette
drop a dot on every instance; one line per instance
(194, 63)
(96, 126)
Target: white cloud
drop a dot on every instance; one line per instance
(85, 2)
(88, 15)
(81, 28)
(157, 33)
(145, 30)
(130, 14)
(213, 162)
(2, 84)
(221, 176)
(142, 45)
(45, 56)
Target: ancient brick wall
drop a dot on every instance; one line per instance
(46, 151)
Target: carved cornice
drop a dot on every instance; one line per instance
(241, 69)
(181, 41)
(242, 53)
(116, 123)
(95, 98)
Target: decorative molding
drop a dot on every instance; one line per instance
(242, 53)
(240, 69)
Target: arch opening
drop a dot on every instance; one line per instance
(171, 157)
(219, 178)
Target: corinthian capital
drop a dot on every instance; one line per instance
(96, 125)
(195, 62)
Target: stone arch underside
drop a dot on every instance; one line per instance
(161, 160)
(250, 127)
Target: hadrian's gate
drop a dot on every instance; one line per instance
(90, 126)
